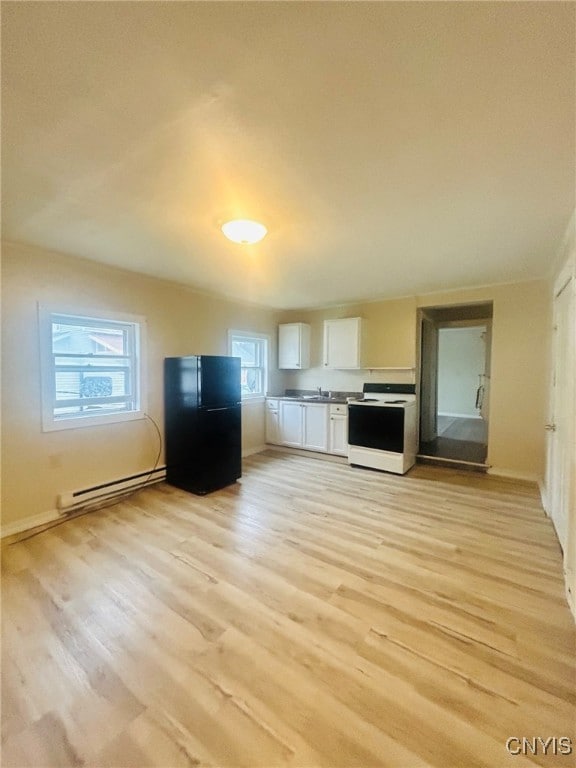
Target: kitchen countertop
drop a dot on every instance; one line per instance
(311, 397)
(308, 398)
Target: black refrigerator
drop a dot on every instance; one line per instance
(202, 422)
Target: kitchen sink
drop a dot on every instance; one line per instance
(321, 398)
(313, 398)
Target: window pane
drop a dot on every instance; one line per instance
(247, 350)
(252, 350)
(251, 381)
(69, 338)
(72, 384)
(94, 367)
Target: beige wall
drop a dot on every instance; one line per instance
(519, 362)
(389, 339)
(37, 465)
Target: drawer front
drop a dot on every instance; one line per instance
(338, 409)
(272, 404)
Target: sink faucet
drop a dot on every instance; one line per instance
(319, 391)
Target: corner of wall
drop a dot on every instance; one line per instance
(254, 449)
(513, 474)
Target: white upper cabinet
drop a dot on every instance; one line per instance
(294, 346)
(342, 343)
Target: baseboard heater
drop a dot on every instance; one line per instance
(75, 500)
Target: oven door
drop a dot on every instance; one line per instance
(376, 427)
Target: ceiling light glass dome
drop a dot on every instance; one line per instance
(244, 231)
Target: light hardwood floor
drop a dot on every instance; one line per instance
(312, 615)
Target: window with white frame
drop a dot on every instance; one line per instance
(252, 349)
(91, 369)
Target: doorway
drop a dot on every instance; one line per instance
(454, 383)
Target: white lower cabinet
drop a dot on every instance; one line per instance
(273, 421)
(304, 425)
(291, 423)
(313, 426)
(338, 430)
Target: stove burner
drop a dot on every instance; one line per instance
(395, 402)
(369, 400)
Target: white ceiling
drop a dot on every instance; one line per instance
(392, 148)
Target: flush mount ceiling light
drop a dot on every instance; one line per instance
(244, 231)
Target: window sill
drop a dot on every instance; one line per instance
(253, 401)
(56, 425)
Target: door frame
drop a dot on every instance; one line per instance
(558, 496)
(466, 314)
(427, 364)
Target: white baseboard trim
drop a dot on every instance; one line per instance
(570, 596)
(543, 496)
(514, 474)
(308, 454)
(460, 415)
(32, 521)
(252, 451)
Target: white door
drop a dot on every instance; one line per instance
(560, 425)
(291, 423)
(315, 427)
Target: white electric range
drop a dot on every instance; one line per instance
(382, 428)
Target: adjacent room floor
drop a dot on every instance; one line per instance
(314, 614)
(459, 439)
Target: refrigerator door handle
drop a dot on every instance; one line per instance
(209, 410)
